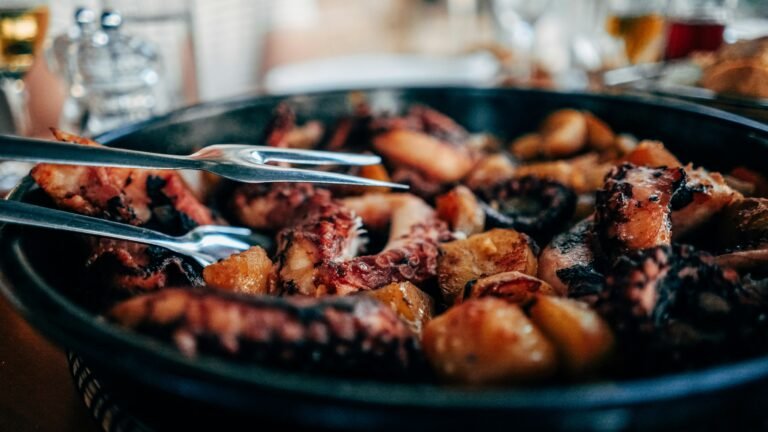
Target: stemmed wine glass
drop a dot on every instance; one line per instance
(516, 21)
(23, 24)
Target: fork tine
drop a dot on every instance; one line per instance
(310, 157)
(272, 174)
(223, 229)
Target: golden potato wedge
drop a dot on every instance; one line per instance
(582, 338)
(490, 170)
(600, 136)
(460, 208)
(248, 272)
(512, 286)
(526, 147)
(652, 154)
(411, 304)
(487, 341)
(563, 133)
(494, 251)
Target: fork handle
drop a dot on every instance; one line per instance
(37, 150)
(20, 213)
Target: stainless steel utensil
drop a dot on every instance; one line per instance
(206, 244)
(245, 163)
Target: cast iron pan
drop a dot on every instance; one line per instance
(167, 390)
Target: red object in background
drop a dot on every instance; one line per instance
(685, 37)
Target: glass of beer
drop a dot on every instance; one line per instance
(23, 24)
(639, 25)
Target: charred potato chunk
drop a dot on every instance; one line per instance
(582, 338)
(487, 341)
(412, 305)
(248, 272)
(494, 251)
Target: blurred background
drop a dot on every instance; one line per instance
(89, 66)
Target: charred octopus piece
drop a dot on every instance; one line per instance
(532, 205)
(634, 207)
(155, 199)
(673, 304)
(351, 335)
(412, 142)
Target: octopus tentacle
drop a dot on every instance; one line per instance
(350, 335)
(316, 255)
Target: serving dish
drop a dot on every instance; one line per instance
(169, 390)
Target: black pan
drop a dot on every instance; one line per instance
(168, 390)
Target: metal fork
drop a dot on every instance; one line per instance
(205, 244)
(245, 163)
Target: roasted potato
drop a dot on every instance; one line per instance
(563, 133)
(490, 170)
(487, 341)
(494, 251)
(512, 286)
(582, 338)
(412, 305)
(460, 208)
(248, 272)
(526, 147)
(600, 136)
(652, 154)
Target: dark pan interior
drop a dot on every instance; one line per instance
(167, 387)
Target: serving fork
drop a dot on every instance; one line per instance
(206, 244)
(244, 163)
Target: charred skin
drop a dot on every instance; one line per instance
(634, 207)
(271, 206)
(532, 205)
(354, 335)
(673, 307)
(156, 199)
(569, 262)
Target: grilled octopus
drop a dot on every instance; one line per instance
(638, 208)
(316, 254)
(354, 335)
(410, 143)
(155, 199)
(674, 306)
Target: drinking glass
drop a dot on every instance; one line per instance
(696, 25)
(516, 22)
(23, 24)
(639, 25)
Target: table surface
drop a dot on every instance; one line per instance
(36, 391)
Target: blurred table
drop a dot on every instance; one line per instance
(37, 393)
